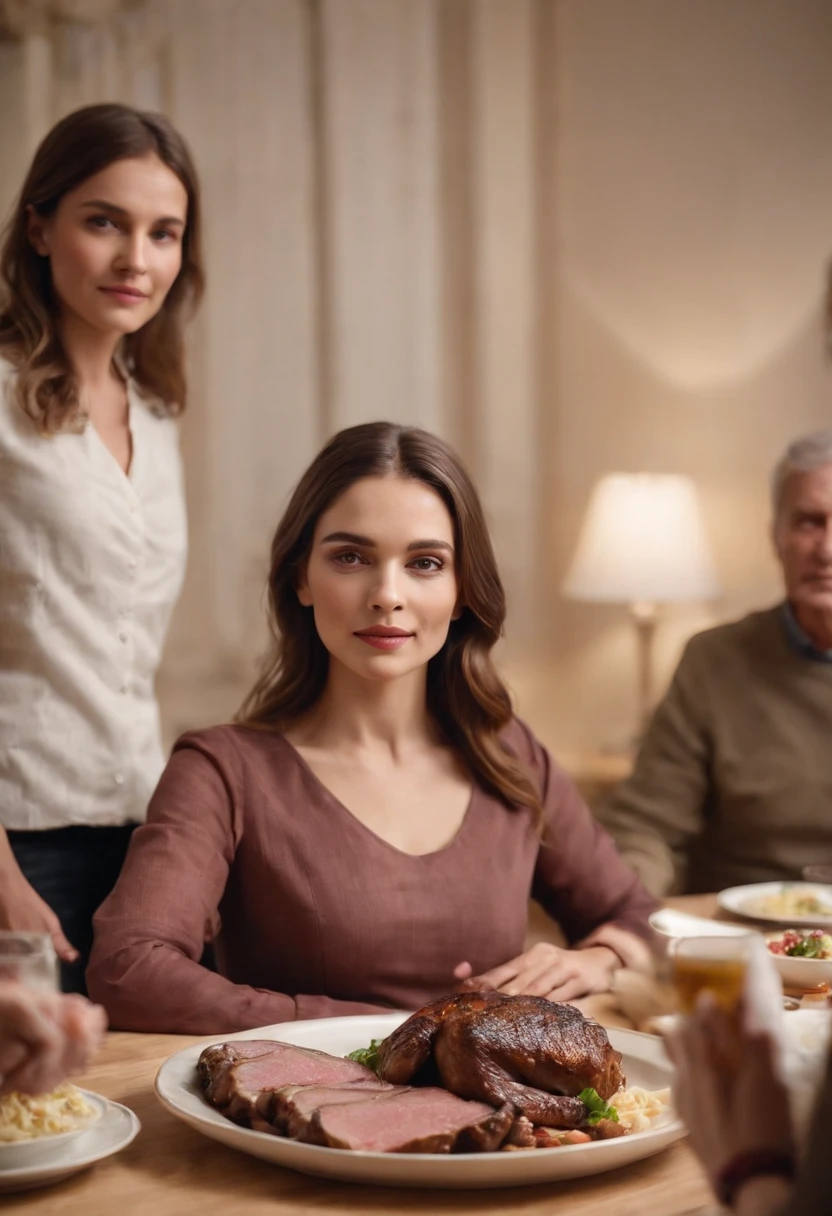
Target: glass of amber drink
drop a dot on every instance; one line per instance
(717, 964)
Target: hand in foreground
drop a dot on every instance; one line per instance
(726, 1088)
(23, 910)
(44, 1036)
(548, 971)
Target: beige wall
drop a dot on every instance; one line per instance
(571, 235)
(695, 213)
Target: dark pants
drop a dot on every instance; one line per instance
(73, 869)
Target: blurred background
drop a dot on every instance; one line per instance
(574, 237)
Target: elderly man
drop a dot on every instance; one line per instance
(733, 782)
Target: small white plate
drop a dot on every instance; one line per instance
(645, 1063)
(116, 1128)
(737, 899)
(671, 923)
(17, 1154)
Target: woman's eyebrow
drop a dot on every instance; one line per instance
(349, 538)
(101, 204)
(430, 544)
(353, 538)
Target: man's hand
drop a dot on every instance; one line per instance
(726, 1088)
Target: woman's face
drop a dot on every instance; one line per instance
(381, 577)
(114, 244)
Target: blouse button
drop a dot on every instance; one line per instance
(122, 637)
(119, 778)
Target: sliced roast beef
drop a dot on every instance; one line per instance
(214, 1062)
(417, 1121)
(243, 1087)
(292, 1108)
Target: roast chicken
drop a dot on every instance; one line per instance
(524, 1051)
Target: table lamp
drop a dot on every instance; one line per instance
(642, 543)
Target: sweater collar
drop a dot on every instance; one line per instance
(799, 641)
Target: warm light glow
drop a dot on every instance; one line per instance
(642, 540)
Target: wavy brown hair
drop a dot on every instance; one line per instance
(465, 695)
(79, 146)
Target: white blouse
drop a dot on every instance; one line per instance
(91, 563)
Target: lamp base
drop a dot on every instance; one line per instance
(645, 615)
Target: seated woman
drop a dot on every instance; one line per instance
(371, 829)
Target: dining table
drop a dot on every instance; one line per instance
(172, 1170)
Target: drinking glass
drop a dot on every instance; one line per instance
(29, 958)
(717, 964)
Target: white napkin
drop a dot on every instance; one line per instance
(674, 924)
(801, 1038)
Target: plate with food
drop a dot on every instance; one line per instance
(48, 1137)
(803, 958)
(477, 1090)
(32, 1126)
(781, 903)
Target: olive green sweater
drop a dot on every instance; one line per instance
(733, 782)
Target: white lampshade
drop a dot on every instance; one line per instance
(642, 540)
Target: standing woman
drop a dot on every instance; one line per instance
(99, 268)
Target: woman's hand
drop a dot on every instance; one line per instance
(726, 1088)
(44, 1037)
(548, 971)
(23, 910)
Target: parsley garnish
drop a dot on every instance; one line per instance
(368, 1056)
(597, 1107)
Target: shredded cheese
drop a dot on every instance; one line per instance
(26, 1116)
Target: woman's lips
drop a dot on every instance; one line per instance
(385, 641)
(123, 297)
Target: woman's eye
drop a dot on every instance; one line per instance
(427, 565)
(164, 236)
(347, 559)
(102, 222)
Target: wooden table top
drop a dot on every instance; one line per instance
(172, 1170)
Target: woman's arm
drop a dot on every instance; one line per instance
(149, 933)
(21, 908)
(580, 879)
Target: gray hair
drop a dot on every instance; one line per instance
(801, 456)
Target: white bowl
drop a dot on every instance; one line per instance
(20, 1154)
(802, 973)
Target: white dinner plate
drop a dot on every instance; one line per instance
(736, 900)
(644, 1062)
(116, 1128)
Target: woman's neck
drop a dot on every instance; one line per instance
(91, 354)
(370, 714)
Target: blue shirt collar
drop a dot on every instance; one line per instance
(799, 641)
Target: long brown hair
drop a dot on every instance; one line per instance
(79, 146)
(465, 695)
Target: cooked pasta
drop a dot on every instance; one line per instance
(789, 903)
(639, 1108)
(26, 1117)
